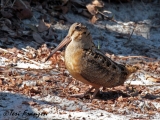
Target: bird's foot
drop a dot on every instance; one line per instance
(86, 94)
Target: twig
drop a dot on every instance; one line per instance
(144, 6)
(7, 2)
(2, 3)
(132, 32)
(25, 7)
(23, 3)
(13, 3)
(121, 3)
(110, 18)
(130, 35)
(138, 57)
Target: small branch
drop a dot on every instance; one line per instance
(110, 18)
(13, 3)
(23, 3)
(139, 57)
(132, 32)
(130, 35)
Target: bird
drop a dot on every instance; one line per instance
(88, 64)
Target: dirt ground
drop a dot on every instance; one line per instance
(127, 32)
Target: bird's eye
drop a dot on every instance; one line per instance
(77, 28)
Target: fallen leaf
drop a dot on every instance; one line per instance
(94, 19)
(110, 101)
(64, 2)
(92, 9)
(120, 99)
(44, 113)
(32, 27)
(35, 90)
(46, 78)
(86, 14)
(14, 50)
(6, 14)
(43, 26)
(120, 88)
(25, 103)
(98, 3)
(7, 29)
(37, 38)
(1, 82)
(22, 9)
(64, 9)
(29, 103)
(153, 79)
(24, 13)
(51, 34)
(21, 4)
(151, 112)
(32, 103)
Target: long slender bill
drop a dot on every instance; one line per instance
(65, 41)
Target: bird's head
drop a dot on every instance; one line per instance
(78, 35)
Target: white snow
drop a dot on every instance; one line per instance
(146, 35)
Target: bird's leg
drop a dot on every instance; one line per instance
(84, 94)
(95, 93)
(88, 91)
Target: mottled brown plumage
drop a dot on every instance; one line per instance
(87, 64)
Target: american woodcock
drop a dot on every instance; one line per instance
(87, 64)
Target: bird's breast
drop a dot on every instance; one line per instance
(73, 59)
(74, 63)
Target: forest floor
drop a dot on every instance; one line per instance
(30, 89)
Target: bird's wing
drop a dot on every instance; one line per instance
(100, 69)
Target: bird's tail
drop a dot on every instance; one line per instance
(131, 69)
